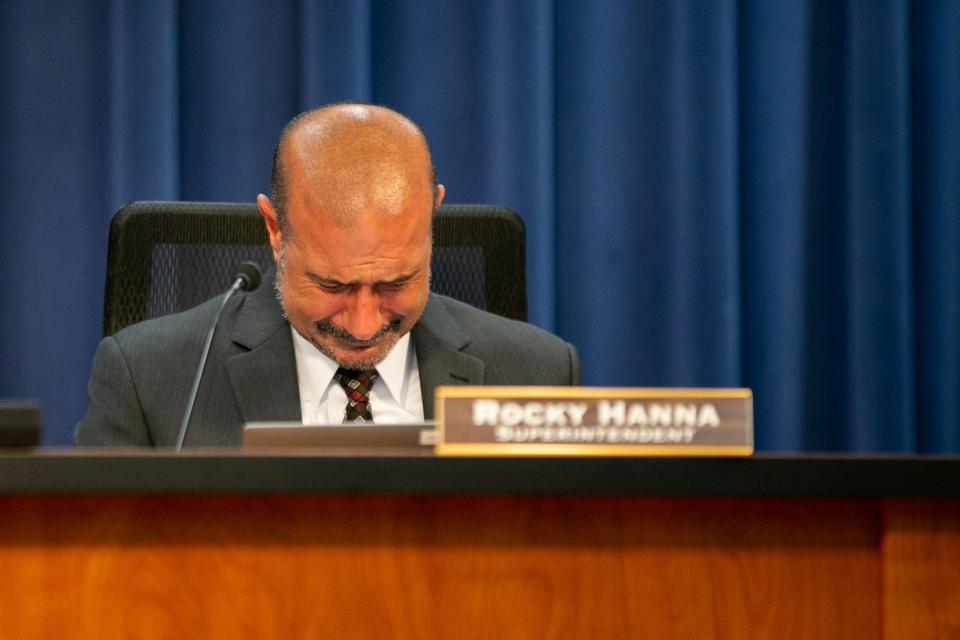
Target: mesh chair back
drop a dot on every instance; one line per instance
(166, 257)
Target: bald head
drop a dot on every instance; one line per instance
(350, 159)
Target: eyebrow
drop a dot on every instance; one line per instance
(324, 281)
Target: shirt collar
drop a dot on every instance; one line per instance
(392, 370)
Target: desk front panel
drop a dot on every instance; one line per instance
(373, 566)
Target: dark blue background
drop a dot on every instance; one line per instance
(716, 193)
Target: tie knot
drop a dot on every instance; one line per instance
(357, 385)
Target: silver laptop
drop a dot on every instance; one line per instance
(417, 437)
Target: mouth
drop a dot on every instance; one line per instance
(348, 341)
(359, 346)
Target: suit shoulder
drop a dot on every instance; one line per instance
(166, 332)
(513, 352)
(483, 326)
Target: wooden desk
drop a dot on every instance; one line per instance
(223, 545)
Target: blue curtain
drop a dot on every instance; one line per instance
(750, 193)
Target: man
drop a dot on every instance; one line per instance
(351, 332)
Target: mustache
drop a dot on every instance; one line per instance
(342, 334)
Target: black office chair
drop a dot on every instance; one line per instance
(166, 257)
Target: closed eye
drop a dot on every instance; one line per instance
(331, 287)
(391, 286)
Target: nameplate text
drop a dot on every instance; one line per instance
(594, 421)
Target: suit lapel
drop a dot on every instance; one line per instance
(264, 377)
(439, 342)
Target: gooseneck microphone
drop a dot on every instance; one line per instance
(246, 277)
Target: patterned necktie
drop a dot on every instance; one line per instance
(357, 384)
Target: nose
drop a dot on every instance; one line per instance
(361, 315)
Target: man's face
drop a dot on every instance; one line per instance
(354, 290)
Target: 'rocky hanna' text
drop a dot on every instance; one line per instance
(605, 421)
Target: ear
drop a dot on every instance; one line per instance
(270, 220)
(440, 193)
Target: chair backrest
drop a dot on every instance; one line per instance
(166, 257)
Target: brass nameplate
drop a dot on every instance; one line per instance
(593, 421)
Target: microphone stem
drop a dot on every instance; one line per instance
(237, 284)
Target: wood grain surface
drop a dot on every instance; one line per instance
(921, 585)
(438, 567)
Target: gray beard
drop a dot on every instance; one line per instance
(277, 293)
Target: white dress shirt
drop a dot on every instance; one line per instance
(394, 399)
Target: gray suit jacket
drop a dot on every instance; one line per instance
(142, 375)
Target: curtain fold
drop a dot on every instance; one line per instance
(935, 204)
(716, 194)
